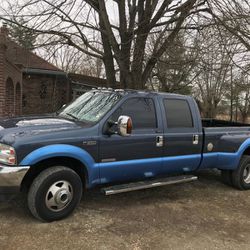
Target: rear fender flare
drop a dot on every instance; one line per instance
(231, 160)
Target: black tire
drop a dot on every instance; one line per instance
(66, 186)
(238, 176)
(226, 177)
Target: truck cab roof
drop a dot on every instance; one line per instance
(142, 92)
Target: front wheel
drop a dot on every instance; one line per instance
(55, 193)
(241, 176)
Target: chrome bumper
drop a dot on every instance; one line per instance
(12, 176)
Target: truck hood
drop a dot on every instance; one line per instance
(14, 128)
(31, 121)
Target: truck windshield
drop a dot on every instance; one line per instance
(91, 106)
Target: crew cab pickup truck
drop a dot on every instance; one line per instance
(122, 140)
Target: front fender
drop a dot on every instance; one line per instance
(64, 150)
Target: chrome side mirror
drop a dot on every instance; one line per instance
(124, 125)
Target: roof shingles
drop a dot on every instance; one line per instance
(21, 56)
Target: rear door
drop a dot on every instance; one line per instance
(136, 156)
(182, 134)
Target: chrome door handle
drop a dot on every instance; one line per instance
(195, 139)
(159, 141)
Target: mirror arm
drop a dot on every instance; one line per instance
(110, 131)
(111, 123)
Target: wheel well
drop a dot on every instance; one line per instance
(247, 151)
(36, 169)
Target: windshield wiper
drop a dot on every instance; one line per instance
(76, 118)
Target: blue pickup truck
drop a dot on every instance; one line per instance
(121, 140)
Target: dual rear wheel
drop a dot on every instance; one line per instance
(240, 177)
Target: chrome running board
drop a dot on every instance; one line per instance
(147, 184)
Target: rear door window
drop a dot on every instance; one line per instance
(178, 113)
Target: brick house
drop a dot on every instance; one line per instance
(82, 83)
(28, 83)
(31, 85)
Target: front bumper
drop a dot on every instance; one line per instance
(12, 176)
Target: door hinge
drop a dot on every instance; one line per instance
(159, 141)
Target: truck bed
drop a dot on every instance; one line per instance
(208, 122)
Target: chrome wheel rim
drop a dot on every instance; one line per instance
(59, 195)
(246, 174)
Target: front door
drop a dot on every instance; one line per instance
(138, 155)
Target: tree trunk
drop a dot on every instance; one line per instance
(244, 117)
(210, 109)
(126, 80)
(110, 72)
(138, 58)
(108, 59)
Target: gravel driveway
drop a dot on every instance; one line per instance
(204, 214)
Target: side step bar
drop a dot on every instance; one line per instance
(147, 184)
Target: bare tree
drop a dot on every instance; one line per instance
(234, 16)
(214, 65)
(174, 69)
(72, 60)
(119, 42)
(242, 95)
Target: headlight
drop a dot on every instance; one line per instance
(7, 154)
